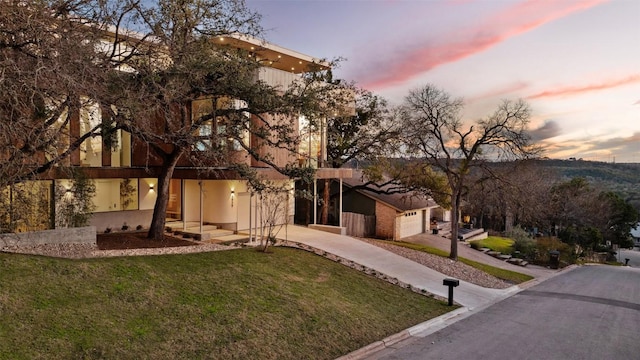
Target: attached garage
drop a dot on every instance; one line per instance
(397, 215)
(412, 223)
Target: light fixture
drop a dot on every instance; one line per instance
(232, 193)
(151, 187)
(221, 38)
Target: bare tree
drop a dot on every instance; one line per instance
(516, 191)
(434, 132)
(50, 72)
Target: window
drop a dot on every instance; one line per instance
(116, 195)
(91, 148)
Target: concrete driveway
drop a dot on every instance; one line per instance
(468, 295)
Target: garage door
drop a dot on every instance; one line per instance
(411, 223)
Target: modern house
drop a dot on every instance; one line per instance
(200, 202)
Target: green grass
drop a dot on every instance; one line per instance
(236, 304)
(496, 243)
(507, 275)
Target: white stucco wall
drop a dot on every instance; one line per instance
(147, 197)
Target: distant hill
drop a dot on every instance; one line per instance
(623, 179)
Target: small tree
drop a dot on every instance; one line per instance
(273, 212)
(433, 131)
(74, 202)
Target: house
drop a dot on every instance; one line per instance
(382, 214)
(635, 234)
(211, 205)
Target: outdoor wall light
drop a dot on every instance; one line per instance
(232, 195)
(151, 187)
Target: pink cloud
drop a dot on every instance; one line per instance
(507, 89)
(513, 21)
(576, 90)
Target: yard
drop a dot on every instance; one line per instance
(236, 304)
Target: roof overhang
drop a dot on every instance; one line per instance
(273, 55)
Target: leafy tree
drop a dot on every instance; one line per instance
(370, 132)
(433, 131)
(362, 137)
(622, 217)
(203, 96)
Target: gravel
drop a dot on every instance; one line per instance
(455, 269)
(82, 251)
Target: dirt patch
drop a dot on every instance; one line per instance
(137, 240)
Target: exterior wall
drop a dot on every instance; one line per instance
(191, 210)
(386, 222)
(83, 235)
(280, 157)
(357, 203)
(278, 78)
(116, 219)
(147, 196)
(220, 207)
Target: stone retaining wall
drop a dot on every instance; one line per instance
(82, 235)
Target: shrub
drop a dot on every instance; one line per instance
(522, 243)
(546, 244)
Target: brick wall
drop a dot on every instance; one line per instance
(386, 222)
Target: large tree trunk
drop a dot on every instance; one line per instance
(325, 202)
(156, 229)
(455, 204)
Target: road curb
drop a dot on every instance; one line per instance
(430, 326)
(419, 330)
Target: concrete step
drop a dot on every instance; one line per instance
(228, 239)
(204, 228)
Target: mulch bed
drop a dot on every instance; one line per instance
(137, 240)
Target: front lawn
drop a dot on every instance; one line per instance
(495, 243)
(236, 304)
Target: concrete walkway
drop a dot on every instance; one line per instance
(468, 295)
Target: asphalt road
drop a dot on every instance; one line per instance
(591, 312)
(632, 255)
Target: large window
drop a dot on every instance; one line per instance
(26, 207)
(121, 149)
(91, 148)
(310, 148)
(116, 195)
(221, 131)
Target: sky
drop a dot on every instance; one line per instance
(577, 63)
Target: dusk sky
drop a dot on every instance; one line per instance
(577, 63)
